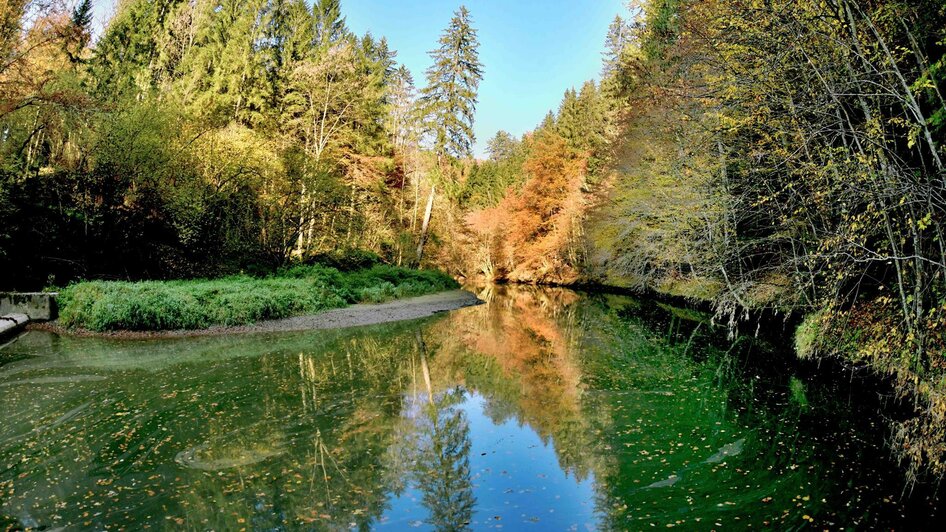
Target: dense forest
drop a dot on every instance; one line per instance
(782, 156)
(202, 138)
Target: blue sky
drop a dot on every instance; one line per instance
(531, 50)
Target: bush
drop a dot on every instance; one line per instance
(808, 335)
(348, 260)
(239, 300)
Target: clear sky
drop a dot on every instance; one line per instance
(531, 50)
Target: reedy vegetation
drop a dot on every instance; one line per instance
(237, 300)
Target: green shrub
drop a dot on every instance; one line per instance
(239, 300)
(808, 336)
(348, 260)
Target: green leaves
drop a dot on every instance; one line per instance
(239, 300)
(448, 102)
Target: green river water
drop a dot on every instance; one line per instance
(544, 409)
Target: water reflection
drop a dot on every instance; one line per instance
(541, 408)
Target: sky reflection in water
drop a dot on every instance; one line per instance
(542, 409)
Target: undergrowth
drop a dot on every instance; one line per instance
(237, 300)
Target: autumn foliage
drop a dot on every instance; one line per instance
(531, 235)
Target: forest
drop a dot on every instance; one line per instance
(780, 158)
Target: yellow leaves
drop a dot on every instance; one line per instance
(912, 136)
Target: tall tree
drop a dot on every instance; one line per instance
(619, 35)
(401, 123)
(450, 97)
(222, 74)
(329, 23)
(128, 56)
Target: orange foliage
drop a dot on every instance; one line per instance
(34, 60)
(532, 235)
(530, 337)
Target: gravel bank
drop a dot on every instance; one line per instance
(353, 316)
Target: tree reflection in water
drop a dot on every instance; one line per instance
(612, 412)
(439, 450)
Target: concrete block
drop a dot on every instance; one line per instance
(37, 305)
(12, 323)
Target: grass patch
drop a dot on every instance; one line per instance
(238, 300)
(809, 335)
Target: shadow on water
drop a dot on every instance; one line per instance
(544, 407)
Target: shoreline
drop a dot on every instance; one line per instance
(353, 316)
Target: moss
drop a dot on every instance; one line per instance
(696, 288)
(798, 392)
(808, 336)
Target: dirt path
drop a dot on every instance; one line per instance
(353, 316)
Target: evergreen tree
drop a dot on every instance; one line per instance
(502, 146)
(126, 58)
(619, 35)
(583, 118)
(329, 23)
(289, 34)
(450, 97)
(223, 73)
(548, 123)
(401, 100)
(568, 124)
(82, 30)
(376, 69)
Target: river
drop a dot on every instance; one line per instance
(542, 409)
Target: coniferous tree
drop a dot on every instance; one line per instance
(81, 30)
(290, 35)
(401, 101)
(568, 124)
(548, 123)
(127, 57)
(450, 98)
(502, 146)
(619, 35)
(329, 25)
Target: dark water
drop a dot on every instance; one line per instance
(543, 409)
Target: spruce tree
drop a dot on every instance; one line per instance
(401, 100)
(502, 146)
(126, 56)
(329, 23)
(568, 124)
(549, 123)
(223, 74)
(619, 35)
(82, 30)
(450, 97)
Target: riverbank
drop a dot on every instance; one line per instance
(193, 305)
(865, 338)
(353, 316)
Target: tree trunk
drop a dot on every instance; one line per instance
(426, 226)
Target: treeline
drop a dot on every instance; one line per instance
(199, 138)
